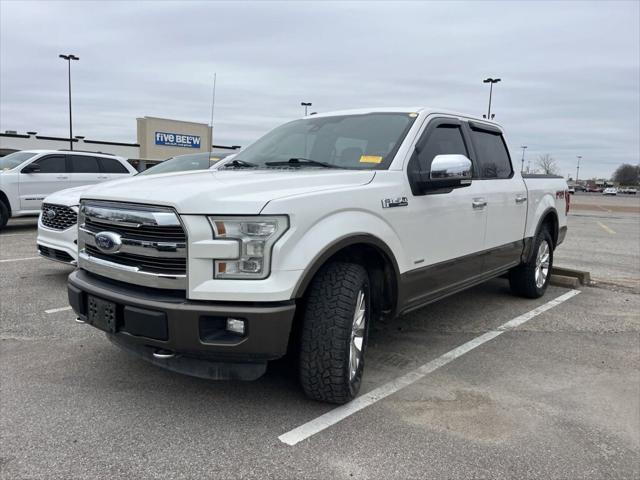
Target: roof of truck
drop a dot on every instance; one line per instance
(419, 110)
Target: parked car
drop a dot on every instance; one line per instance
(628, 191)
(26, 177)
(572, 190)
(610, 191)
(57, 226)
(315, 231)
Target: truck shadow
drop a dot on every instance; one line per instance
(394, 349)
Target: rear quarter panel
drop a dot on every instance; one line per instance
(545, 194)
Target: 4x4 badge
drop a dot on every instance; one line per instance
(395, 202)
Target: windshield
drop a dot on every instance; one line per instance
(14, 159)
(361, 142)
(183, 163)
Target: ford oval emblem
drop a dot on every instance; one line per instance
(50, 214)
(108, 242)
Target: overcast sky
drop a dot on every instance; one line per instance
(570, 70)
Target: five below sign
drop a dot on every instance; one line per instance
(177, 140)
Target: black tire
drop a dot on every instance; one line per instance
(4, 214)
(326, 340)
(523, 279)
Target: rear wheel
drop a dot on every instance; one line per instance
(4, 214)
(335, 332)
(531, 279)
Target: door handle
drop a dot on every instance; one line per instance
(479, 203)
(62, 177)
(520, 199)
(103, 178)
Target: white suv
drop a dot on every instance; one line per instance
(26, 177)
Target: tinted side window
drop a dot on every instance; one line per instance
(445, 139)
(492, 154)
(52, 164)
(110, 165)
(84, 164)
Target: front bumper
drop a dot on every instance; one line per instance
(59, 245)
(148, 320)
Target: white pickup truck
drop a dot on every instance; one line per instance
(312, 233)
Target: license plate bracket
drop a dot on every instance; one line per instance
(101, 314)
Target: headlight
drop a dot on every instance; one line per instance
(256, 236)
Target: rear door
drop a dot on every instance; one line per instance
(53, 176)
(506, 197)
(112, 169)
(85, 170)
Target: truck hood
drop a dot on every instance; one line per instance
(243, 192)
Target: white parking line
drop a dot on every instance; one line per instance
(340, 413)
(55, 310)
(610, 231)
(16, 234)
(19, 259)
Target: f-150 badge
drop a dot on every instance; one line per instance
(395, 202)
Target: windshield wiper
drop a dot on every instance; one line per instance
(237, 163)
(299, 162)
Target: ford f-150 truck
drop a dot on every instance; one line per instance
(312, 233)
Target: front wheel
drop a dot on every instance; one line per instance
(531, 279)
(335, 332)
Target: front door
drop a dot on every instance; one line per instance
(443, 232)
(53, 176)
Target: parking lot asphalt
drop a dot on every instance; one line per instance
(604, 238)
(556, 397)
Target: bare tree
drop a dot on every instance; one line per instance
(627, 174)
(547, 164)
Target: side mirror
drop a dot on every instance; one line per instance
(31, 168)
(447, 171)
(450, 167)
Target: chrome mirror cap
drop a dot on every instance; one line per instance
(450, 167)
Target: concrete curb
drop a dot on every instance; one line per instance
(582, 276)
(564, 281)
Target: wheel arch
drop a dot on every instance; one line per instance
(549, 218)
(370, 252)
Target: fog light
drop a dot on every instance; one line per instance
(235, 325)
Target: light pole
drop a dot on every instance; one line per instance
(306, 105)
(490, 81)
(523, 147)
(68, 58)
(578, 167)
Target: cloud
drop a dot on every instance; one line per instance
(570, 70)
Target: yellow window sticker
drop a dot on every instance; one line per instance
(413, 115)
(370, 159)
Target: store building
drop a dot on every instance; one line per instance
(157, 140)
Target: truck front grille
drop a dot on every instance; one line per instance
(137, 244)
(58, 217)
